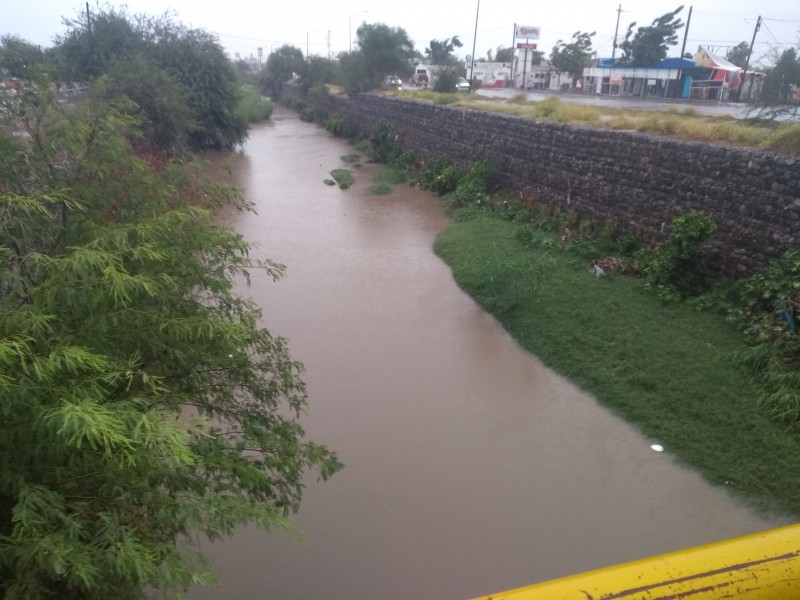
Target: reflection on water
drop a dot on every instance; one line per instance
(470, 467)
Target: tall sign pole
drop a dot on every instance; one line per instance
(527, 33)
(513, 56)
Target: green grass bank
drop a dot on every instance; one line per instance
(666, 368)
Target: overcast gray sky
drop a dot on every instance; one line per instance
(325, 25)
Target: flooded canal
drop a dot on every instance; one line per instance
(470, 467)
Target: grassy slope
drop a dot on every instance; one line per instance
(667, 369)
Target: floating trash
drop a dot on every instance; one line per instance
(657, 447)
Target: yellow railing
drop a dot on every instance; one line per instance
(763, 566)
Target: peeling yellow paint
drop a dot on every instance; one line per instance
(762, 566)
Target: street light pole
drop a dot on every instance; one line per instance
(308, 32)
(350, 27)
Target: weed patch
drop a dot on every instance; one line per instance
(343, 177)
(253, 107)
(379, 189)
(667, 368)
(785, 140)
(391, 176)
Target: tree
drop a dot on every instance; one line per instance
(141, 403)
(198, 62)
(738, 54)
(504, 55)
(441, 52)
(162, 106)
(193, 58)
(385, 50)
(573, 57)
(87, 48)
(537, 56)
(18, 57)
(318, 70)
(353, 72)
(281, 65)
(650, 44)
(779, 92)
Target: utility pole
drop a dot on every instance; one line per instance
(88, 18)
(616, 30)
(474, 40)
(513, 55)
(747, 61)
(683, 49)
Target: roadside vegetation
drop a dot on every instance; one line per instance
(252, 106)
(143, 405)
(708, 367)
(682, 122)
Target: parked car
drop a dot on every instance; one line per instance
(462, 85)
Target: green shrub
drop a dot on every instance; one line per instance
(343, 177)
(767, 308)
(308, 114)
(391, 176)
(446, 81)
(547, 108)
(402, 159)
(440, 177)
(468, 192)
(381, 140)
(344, 126)
(253, 107)
(525, 235)
(679, 266)
(516, 211)
(379, 189)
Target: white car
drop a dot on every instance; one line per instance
(462, 85)
(392, 82)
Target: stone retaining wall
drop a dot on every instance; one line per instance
(638, 181)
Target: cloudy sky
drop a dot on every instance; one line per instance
(324, 25)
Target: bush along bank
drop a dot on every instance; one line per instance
(710, 367)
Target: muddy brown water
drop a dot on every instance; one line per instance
(470, 467)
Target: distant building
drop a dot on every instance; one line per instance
(610, 78)
(705, 77)
(490, 74)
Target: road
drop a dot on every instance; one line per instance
(704, 107)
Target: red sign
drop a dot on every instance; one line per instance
(526, 46)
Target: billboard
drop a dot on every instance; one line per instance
(522, 46)
(527, 32)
